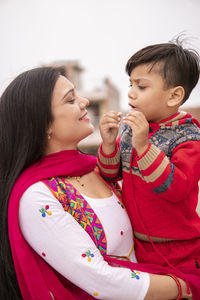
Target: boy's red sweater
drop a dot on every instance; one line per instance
(160, 190)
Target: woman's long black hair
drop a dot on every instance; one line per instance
(25, 114)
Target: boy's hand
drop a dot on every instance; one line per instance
(140, 129)
(109, 127)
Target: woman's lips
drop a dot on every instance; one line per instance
(84, 117)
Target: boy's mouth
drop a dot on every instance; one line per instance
(132, 106)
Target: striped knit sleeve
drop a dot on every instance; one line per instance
(155, 167)
(171, 179)
(109, 165)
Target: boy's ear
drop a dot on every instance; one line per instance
(176, 96)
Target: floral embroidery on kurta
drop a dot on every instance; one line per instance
(88, 254)
(45, 210)
(135, 274)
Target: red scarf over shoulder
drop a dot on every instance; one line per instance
(36, 279)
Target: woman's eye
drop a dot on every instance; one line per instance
(141, 87)
(70, 101)
(130, 85)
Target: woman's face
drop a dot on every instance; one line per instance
(70, 121)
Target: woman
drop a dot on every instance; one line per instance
(60, 220)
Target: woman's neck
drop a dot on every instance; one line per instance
(55, 148)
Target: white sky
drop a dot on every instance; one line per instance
(101, 35)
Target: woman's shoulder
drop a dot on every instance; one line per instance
(38, 187)
(36, 194)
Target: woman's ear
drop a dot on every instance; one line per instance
(49, 133)
(176, 96)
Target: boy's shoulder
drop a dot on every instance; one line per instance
(188, 131)
(167, 138)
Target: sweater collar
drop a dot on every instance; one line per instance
(174, 118)
(181, 117)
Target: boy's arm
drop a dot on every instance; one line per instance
(171, 179)
(108, 154)
(109, 165)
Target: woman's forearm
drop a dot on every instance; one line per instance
(164, 287)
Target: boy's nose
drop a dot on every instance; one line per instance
(131, 94)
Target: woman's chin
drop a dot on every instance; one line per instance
(92, 127)
(90, 131)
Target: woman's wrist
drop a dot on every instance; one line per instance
(162, 287)
(180, 292)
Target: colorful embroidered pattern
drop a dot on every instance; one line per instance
(88, 254)
(95, 294)
(135, 274)
(44, 211)
(117, 189)
(77, 206)
(120, 204)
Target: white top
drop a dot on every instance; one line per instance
(116, 224)
(57, 237)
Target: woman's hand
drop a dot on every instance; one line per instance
(164, 287)
(109, 127)
(140, 129)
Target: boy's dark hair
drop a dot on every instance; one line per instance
(176, 65)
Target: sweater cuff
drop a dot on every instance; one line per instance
(143, 154)
(111, 159)
(148, 157)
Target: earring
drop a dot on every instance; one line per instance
(48, 136)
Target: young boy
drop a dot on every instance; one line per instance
(158, 157)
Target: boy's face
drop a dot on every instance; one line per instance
(147, 93)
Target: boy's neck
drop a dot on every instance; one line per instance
(173, 117)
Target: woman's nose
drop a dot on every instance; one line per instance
(83, 102)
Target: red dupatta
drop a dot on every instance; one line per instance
(36, 279)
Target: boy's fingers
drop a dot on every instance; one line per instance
(136, 118)
(111, 125)
(107, 119)
(113, 114)
(129, 123)
(119, 114)
(132, 119)
(136, 115)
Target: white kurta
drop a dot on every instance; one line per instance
(57, 237)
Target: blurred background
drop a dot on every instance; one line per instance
(90, 42)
